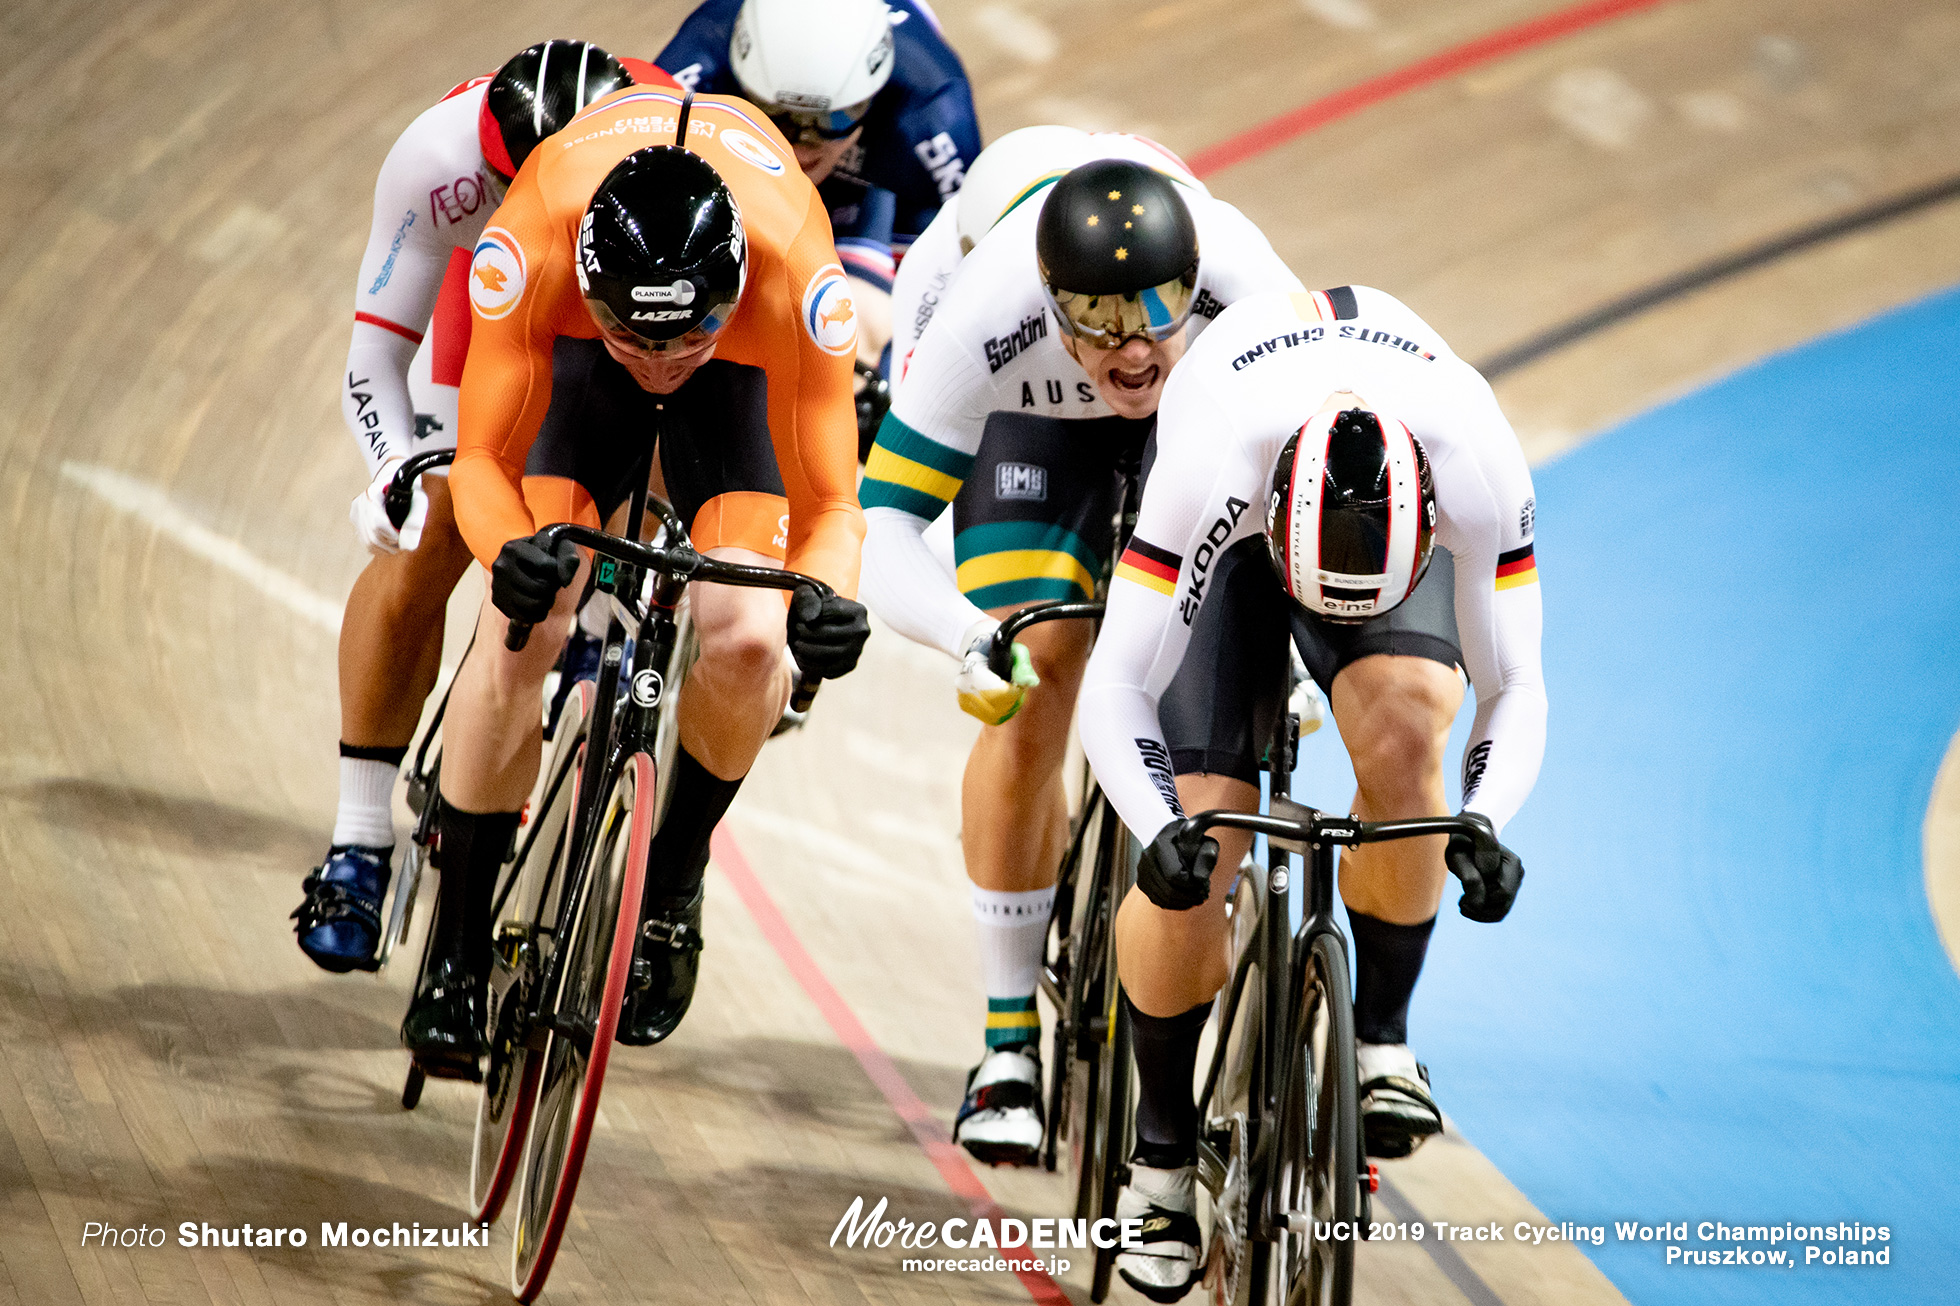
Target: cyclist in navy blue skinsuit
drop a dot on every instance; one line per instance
(876, 103)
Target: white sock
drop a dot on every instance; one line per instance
(1013, 927)
(1373, 1060)
(366, 816)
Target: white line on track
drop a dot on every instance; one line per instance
(148, 502)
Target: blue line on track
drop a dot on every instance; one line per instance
(1721, 995)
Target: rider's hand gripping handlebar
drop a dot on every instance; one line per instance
(684, 563)
(399, 497)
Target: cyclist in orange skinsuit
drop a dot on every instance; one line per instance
(626, 283)
(507, 383)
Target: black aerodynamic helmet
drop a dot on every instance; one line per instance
(1118, 252)
(662, 257)
(537, 92)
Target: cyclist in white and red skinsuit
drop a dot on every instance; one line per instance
(438, 186)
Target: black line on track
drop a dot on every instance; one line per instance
(1447, 1258)
(1619, 310)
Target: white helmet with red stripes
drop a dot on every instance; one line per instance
(1352, 514)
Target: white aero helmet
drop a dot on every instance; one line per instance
(813, 65)
(1351, 518)
(1141, 149)
(1011, 169)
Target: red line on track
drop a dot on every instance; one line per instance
(939, 1149)
(1273, 132)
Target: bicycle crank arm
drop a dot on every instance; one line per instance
(579, 1032)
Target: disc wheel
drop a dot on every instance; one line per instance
(584, 1015)
(1317, 1182)
(510, 1078)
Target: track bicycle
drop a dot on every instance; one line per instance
(1088, 1096)
(421, 776)
(568, 901)
(1279, 1148)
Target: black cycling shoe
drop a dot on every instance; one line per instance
(443, 1030)
(339, 923)
(665, 967)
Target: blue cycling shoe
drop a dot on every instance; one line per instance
(339, 924)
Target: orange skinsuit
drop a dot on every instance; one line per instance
(507, 379)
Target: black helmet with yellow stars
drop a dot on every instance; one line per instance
(1118, 253)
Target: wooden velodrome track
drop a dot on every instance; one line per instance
(185, 196)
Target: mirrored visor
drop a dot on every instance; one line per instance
(629, 338)
(1108, 321)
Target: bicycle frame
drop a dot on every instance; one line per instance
(557, 1015)
(1291, 828)
(622, 565)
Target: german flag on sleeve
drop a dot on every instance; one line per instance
(1516, 568)
(1150, 566)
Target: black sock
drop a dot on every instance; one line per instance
(679, 854)
(362, 753)
(1166, 1056)
(1387, 959)
(470, 850)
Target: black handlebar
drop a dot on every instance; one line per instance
(1297, 829)
(399, 497)
(1000, 656)
(683, 563)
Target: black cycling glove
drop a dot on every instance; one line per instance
(826, 634)
(525, 581)
(1490, 881)
(1176, 873)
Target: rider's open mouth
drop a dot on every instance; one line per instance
(1133, 380)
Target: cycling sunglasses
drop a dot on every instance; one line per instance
(824, 125)
(1155, 313)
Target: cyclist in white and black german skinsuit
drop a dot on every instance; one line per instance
(1037, 378)
(1296, 447)
(437, 188)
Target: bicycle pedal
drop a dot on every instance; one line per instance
(1372, 1181)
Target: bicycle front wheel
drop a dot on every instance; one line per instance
(510, 1080)
(1317, 1185)
(1086, 1023)
(1114, 1107)
(584, 1017)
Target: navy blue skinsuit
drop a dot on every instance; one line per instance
(919, 138)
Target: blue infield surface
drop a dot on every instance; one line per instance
(1721, 996)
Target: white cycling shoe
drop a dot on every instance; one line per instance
(1167, 1264)
(1397, 1113)
(1000, 1122)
